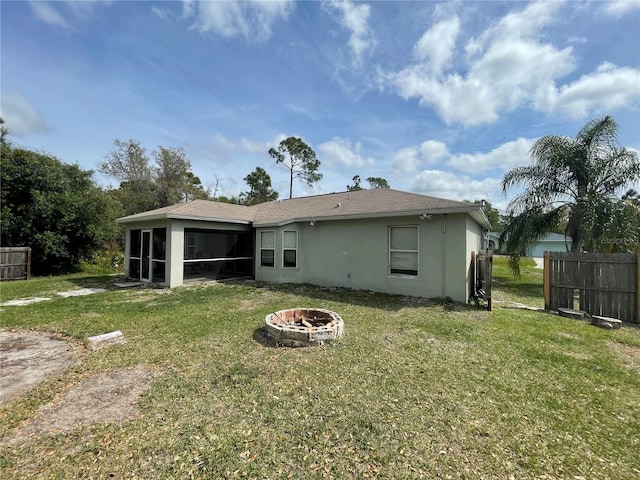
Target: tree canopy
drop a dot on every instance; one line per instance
(578, 181)
(54, 208)
(260, 190)
(300, 159)
(374, 182)
(145, 186)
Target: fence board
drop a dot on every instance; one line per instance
(606, 283)
(15, 263)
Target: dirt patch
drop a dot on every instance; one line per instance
(629, 354)
(106, 397)
(27, 358)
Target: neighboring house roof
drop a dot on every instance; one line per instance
(378, 202)
(549, 237)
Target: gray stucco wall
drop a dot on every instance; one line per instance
(355, 254)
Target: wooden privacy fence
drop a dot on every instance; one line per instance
(15, 263)
(602, 283)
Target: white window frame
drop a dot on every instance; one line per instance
(285, 248)
(397, 250)
(273, 232)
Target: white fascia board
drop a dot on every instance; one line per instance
(375, 215)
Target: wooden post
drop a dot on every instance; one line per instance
(28, 261)
(473, 273)
(638, 289)
(546, 280)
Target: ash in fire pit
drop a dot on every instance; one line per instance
(303, 327)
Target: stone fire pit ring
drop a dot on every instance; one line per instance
(303, 327)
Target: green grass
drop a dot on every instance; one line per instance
(525, 289)
(414, 388)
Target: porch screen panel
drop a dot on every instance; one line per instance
(217, 253)
(159, 255)
(134, 253)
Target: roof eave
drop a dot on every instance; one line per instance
(173, 216)
(363, 216)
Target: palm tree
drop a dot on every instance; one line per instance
(574, 180)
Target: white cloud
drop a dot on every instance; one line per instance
(81, 11)
(505, 156)
(509, 66)
(355, 18)
(618, 8)
(432, 152)
(608, 88)
(45, 12)
(340, 152)
(162, 13)
(253, 20)
(436, 46)
(410, 159)
(20, 117)
(450, 185)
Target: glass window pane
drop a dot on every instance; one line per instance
(289, 259)
(135, 244)
(404, 238)
(290, 240)
(268, 239)
(404, 262)
(267, 258)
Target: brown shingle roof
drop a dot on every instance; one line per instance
(359, 204)
(197, 210)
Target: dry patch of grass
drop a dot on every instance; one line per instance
(105, 397)
(630, 354)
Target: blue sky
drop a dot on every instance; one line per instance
(438, 98)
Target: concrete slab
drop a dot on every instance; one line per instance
(81, 292)
(129, 284)
(19, 302)
(98, 341)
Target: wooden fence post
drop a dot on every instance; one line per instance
(473, 273)
(638, 289)
(546, 272)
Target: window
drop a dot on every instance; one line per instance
(268, 249)
(289, 249)
(403, 250)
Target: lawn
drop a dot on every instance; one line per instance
(414, 389)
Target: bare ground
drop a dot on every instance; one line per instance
(27, 358)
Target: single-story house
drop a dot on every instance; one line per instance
(552, 242)
(382, 240)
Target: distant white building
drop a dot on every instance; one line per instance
(552, 242)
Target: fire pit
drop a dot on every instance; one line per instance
(304, 327)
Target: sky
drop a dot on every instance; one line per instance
(438, 98)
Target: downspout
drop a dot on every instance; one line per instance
(444, 255)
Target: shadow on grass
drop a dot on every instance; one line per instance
(529, 290)
(348, 296)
